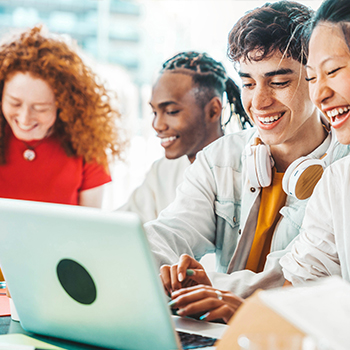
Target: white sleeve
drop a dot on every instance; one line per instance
(186, 226)
(143, 200)
(245, 282)
(314, 253)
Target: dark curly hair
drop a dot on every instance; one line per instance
(86, 121)
(211, 78)
(269, 29)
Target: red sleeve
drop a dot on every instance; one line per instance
(94, 175)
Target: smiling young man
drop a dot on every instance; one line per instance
(187, 104)
(231, 201)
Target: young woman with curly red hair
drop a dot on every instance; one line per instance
(56, 123)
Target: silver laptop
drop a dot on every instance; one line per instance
(88, 276)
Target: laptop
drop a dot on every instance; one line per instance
(88, 276)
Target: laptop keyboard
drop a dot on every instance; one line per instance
(195, 341)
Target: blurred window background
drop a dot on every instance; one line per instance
(125, 42)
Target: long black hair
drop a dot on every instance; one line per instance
(332, 11)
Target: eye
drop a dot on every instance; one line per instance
(173, 112)
(333, 71)
(41, 109)
(310, 79)
(280, 83)
(247, 85)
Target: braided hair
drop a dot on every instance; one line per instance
(211, 78)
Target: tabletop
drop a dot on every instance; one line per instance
(7, 326)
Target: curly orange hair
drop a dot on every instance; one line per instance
(86, 123)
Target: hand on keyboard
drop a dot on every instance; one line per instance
(207, 302)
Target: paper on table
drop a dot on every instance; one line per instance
(320, 309)
(21, 339)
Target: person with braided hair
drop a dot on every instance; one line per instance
(187, 105)
(244, 196)
(56, 123)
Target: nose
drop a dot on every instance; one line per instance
(262, 97)
(24, 115)
(320, 92)
(159, 124)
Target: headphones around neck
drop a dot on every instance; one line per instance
(300, 178)
(259, 164)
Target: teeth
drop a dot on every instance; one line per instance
(270, 119)
(168, 139)
(26, 128)
(337, 111)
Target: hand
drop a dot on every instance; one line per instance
(205, 302)
(187, 272)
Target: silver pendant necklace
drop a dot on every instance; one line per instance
(29, 154)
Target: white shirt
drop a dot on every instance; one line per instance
(158, 189)
(323, 247)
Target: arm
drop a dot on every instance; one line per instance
(93, 178)
(92, 197)
(315, 253)
(188, 224)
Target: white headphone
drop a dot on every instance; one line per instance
(300, 177)
(259, 164)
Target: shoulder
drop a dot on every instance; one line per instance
(339, 169)
(166, 171)
(164, 165)
(227, 150)
(339, 150)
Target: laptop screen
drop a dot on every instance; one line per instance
(68, 266)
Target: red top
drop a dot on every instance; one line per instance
(51, 177)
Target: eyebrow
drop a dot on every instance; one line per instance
(281, 71)
(329, 58)
(164, 104)
(13, 97)
(36, 103)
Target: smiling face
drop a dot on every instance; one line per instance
(328, 71)
(275, 96)
(28, 105)
(179, 120)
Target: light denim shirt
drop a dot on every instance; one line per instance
(216, 210)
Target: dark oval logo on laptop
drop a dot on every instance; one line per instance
(76, 281)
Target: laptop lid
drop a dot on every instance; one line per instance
(84, 275)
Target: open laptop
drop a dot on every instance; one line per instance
(88, 276)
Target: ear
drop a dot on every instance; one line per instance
(213, 110)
